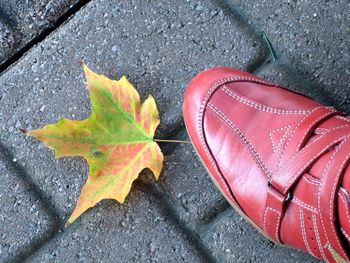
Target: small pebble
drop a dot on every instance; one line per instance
(35, 67)
(114, 49)
(199, 7)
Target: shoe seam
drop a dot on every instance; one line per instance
(257, 158)
(304, 205)
(346, 208)
(200, 128)
(318, 237)
(259, 106)
(319, 196)
(278, 221)
(341, 168)
(303, 231)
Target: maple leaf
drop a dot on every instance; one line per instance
(116, 140)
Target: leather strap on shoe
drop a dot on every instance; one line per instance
(328, 189)
(294, 167)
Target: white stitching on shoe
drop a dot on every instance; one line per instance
(318, 237)
(252, 150)
(282, 139)
(291, 180)
(304, 205)
(343, 118)
(319, 192)
(311, 182)
(200, 119)
(278, 220)
(321, 131)
(303, 231)
(291, 136)
(308, 128)
(333, 190)
(346, 210)
(259, 106)
(345, 234)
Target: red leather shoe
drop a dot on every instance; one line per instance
(280, 158)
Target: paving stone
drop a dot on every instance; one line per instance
(25, 221)
(159, 45)
(187, 182)
(135, 232)
(315, 35)
(22, 21)
(231, 239)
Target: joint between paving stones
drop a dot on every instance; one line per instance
(6, 157)
(17, 170)
(171, 211)
(42, 36)
(234, 13)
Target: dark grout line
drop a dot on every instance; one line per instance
(7, 158)
(274, 56)
(48, 207)
(46, 32)
(169, 211)
(225, 213)
(234, 13)
(34, 246)
(173, 211)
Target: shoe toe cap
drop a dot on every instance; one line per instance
(195, 95)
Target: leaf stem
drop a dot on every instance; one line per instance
(175, 141)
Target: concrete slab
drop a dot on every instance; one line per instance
(22, 21)
(159, 45)
(135, 232)
(188, 184)
(25, 221)
(315, 35)
(231, 239)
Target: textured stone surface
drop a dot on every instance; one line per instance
(159, 47)
(110, 232)
(231, 239)
(22, 21)
(187, 182)
(315, 35)
(25, 221)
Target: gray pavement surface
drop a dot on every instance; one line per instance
(159, 56)
(231, 239)
(23, 21)
(159, 46)
(138, 231)
(313, 35)
(186, 181)
(24, 218)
